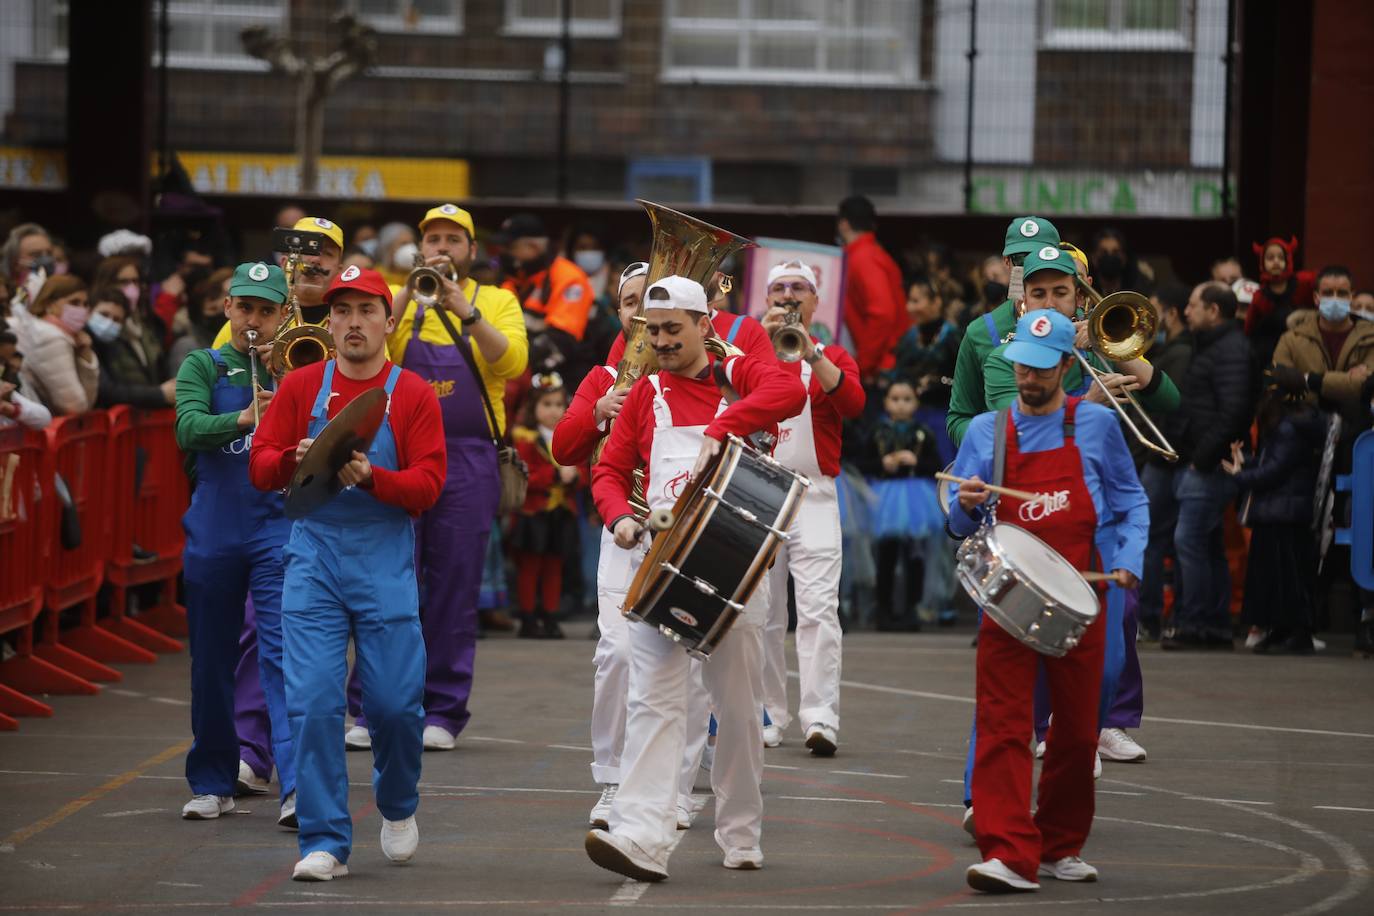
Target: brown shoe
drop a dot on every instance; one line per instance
(496, 620)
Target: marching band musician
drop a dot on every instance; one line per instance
(740, 331)
(234, 537)
(1096, 515)
(490, 344)
(674, 424)
(350, 570)
(809, 444)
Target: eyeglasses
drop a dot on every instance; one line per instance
(800, 288)
(1023, 369)
(1018, 259)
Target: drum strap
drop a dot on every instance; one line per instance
(999, 447)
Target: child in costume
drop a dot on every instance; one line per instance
(1283, 288)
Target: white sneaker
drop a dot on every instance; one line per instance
(686, 812)
(358, 738)
(601, 811)
(708, 756)
(1040, 751)
(992, 877)
(1097, 765)
(249, 783)
(1069, 868)
(287, 818)
(319, 866)
(1253, 637)
(821, 740)
(438, 739)
(772, 736)
(622, 856)
(1318, 645)
(207, 807)
(968, 822)
(1115, 744)
(399, 839)
(749, 858)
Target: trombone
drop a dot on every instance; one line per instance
(1121, 328)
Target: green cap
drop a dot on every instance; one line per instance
(1049, 257)
(265, 281)
(1028, 233)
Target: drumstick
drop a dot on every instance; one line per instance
(1091, 576)
(1005, 491)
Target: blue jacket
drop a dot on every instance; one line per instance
(1282, 480)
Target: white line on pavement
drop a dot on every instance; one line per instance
(568, 747)
(861, 773)
(1343, 808)
(1225, 801)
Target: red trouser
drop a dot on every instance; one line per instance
(538, 574)
(1002, 763)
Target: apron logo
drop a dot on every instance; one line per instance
(784, 433)
(1043, 506)
(239, 446)
(682, 616)
(673, 488)
(443, 387)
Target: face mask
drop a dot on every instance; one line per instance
(368, 247)
(404, 257)
(1110, 265)
(74, 317)
(44, 263)
(130, 291)
(1334, 309)
(994, 292)
(1016, 291)
(589, 261)
(102, 328)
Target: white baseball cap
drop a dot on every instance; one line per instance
(793, 268)
(637, 269)
(676, 293)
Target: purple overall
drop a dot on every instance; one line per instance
(451, 538)
(251, 722)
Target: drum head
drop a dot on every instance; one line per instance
(1046, 569)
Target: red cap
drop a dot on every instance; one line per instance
(355, 277)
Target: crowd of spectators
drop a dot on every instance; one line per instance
(1273, 376)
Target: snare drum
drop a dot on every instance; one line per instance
(1027, 588)
(727, 526)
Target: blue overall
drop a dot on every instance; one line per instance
(350, 571)
(234, 537)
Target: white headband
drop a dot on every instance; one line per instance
(793, 269)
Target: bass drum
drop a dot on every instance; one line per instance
(1027, 588)
(728, 525)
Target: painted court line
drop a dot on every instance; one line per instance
(1343, 808)
(1225, 801)
(495, 740)
(778, 766)
(568, 747)
(822, 798)
(861, 773)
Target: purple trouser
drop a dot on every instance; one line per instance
(1126, 694)
(251, 721)
(451, 544)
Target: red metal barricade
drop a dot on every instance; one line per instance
(27, 524)
(147, 496)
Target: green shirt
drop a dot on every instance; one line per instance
(198, 428)
(966, 398)
(999, 383)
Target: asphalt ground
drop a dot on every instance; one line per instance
(1258, 797)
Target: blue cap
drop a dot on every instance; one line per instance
(1043, 338)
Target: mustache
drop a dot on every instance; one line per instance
(312, 270)
(663, 351)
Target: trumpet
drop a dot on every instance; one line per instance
(426, 284)
(1121, 327)
(789, 341)
(297, 343)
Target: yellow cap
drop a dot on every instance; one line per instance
(1079, 257)
(320, 224)
(453, 214)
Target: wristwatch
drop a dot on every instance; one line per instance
(472, 319)
(815, 356)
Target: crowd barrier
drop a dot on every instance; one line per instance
(74, 501)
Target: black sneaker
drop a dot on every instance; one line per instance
(529, 627)
(551, 628)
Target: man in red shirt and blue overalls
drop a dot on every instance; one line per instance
(1045, 442)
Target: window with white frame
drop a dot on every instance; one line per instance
(207, 31)
(544, 18)
(837, 42)
(1144, 25)
(428, 17)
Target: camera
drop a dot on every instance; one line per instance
(298, 241)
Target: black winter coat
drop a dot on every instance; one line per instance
(1282, 481)
(1215, 397)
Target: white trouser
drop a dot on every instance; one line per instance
(812, 556)
(655, 736)
(697, 728)
(614, 572)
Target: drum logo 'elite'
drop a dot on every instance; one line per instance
(1044, 505)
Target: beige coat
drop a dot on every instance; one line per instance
(1303, 348)
(53, 374)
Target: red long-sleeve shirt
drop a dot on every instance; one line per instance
(767, 396)
(576, 435)
(422, 456)
(751, 337)
(828, 411)
(546, 490)
(874, 303)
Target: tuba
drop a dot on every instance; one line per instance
(297, 343)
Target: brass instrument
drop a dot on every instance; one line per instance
(1121, 327)
(426, 284)
(789, 341)
(252, 336)
(297, 343)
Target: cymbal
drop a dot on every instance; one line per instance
(316, 480)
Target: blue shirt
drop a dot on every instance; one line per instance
(1123, 509)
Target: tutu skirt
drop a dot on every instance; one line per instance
(907, 507)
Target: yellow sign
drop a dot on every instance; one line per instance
(32, 169)
(347, 177)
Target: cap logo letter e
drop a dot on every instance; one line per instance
(323, 223)
(1049, 253)
(350, 273)
(1030, 228)
(1041, 327)
(448, 208)
(258, 272)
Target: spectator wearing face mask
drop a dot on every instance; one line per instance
(171, 296)
(395, 253)
(204, 316)
(144, 330)
(1326, 353)
(60, 367)
(28, 260)
(124, 378)
(1114, 268)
